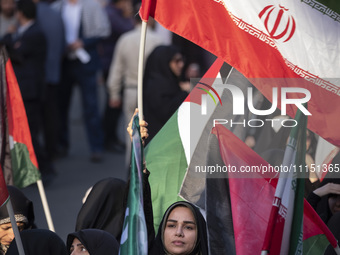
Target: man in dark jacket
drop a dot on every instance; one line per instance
(27, 50)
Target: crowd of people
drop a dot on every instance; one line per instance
(55, 45)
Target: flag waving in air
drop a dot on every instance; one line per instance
(276, 45)
(134, 237)
(251, 205)
(22, 169)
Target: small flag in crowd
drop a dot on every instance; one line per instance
(134, 237)
(20, 166)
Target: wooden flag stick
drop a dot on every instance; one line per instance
(45, 205)
(141, 69)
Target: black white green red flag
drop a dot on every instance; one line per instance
(134, 239)
(251, 205)
(168, 153)
(274, 44)
(22, 165)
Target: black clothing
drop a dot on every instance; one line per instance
(161, 92)
(96, 241)
(104, 207)
(28, 53)
(39, 242)
(21, 206)
(201, 247)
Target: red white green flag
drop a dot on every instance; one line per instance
(22, 169)
(251, 203)
(168, 159)
(285, 228)
(274, 44)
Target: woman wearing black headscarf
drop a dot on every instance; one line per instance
(181, 231)
(39, 242)
(24, 216)
(162, 92)
(104, 207)
(92, 242)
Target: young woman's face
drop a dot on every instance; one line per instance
(177, 64)
(6, 232)
(180, 231)
(77, 248)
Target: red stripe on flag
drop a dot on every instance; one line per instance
(208, 24)
(3, 188)
(17, 114)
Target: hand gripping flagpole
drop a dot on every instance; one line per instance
(141, 69)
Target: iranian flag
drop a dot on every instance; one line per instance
(21, 168)
(290, 44)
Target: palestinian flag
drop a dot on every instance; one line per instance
(168, 153)
(251, 202)
(274, 44)
(134, 236)
(21, 166)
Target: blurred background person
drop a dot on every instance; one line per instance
(52, 27)
(27, 49)
(8, 20)
(120, 13)
(85, 24)
(163, 92)
(123, 75)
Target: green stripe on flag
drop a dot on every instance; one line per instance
(134, 239)
(298, 134)
(24, 172)
(315, 245)
(165, 159)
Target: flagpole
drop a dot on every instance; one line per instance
(45, 205)
(15, 227)
(141, 69)
(337, 250)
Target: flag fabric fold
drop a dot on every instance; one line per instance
(251, 202)
(168, 153)
(134, 236)
(292, 44)
(22, 166)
